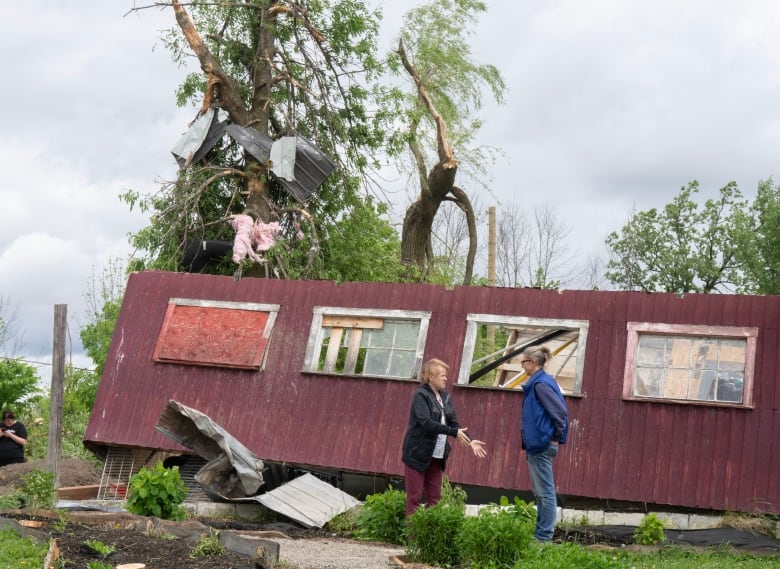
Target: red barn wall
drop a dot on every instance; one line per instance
(723, 458)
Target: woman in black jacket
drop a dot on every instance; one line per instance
(431, 419)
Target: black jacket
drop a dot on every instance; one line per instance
(425, 426)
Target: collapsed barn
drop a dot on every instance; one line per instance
(674, 400)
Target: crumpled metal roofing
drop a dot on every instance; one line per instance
(310, 168)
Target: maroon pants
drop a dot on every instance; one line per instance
(417, 482)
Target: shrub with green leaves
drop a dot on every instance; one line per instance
(498, 536)
(38, 489)
(157, 491)
(383, 517)
(650, 531)
(432, 534)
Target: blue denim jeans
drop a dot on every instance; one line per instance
(540, 468)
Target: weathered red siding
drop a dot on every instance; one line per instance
(697, 456)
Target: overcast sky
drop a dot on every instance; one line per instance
(612, 105)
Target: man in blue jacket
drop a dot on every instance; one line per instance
(545, 425)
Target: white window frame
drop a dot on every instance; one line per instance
(475, 320)
(316, 336)
(635, 329)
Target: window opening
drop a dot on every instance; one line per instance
(494, 343)
(363, 342)
(690, 363)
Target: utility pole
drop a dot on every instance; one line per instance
(57, 390)
(491, 269)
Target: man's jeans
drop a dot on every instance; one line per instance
(540, 467)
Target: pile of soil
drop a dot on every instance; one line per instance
(70, 471)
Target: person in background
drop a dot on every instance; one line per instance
(432, 419)
(544, 426)
(13, 437)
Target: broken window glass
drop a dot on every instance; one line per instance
(706, 365)
(493, 346)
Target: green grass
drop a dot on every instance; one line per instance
(17, 551)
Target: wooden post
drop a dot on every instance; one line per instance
(57, 390)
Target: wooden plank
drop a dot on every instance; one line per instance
(334, 344)
(352, 322)
(353, 350)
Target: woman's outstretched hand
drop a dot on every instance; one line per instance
(478, 448)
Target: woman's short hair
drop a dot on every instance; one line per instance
(540, 355)
(8, 414)
(427, 369)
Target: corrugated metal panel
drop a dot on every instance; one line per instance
(688, 455)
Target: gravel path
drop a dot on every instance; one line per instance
(336, 553)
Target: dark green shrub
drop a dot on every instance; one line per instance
(158, 491)
(383, 517)
(432, 533)
(498, 536)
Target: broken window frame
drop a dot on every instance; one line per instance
(271, 310)
(353, 343)
(696, 334)
(546, 327)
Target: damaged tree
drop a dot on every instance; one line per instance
(434, 52)
(274, 69)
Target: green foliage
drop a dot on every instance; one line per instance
(758, 241)
(103, 298)
(569, 555)
(208, 545)
(383, 517)
(650, 531)
(432, 534)
(452, 495)
(99, 548)
(11, 501)
(96, 336)
(18, 385)
(364, 247)
(99, 565)
(38, 489)
(497, 536)
(345, 522)
(681, 248)
(78, 399)
(435, 36)
(18, 551)
(157, 491)
(323, 95)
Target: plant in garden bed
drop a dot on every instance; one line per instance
(432, 534)
(498, 536)
(208, 545)
(157, 491)
(38, 489)
(99, 548)
(383, 517)
(650, 531)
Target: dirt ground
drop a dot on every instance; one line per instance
(71, 472)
